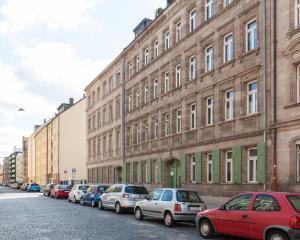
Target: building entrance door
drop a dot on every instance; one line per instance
(174, 176)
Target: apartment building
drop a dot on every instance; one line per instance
(205, 97)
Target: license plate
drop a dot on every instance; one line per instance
(194, 208)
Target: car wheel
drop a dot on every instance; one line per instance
(138, 214)
(118, 208)
(277, 235)
(48, 194)
(75, 201)
(93, 204)
(100, 206)
(169, 220)
(69, 199)
(206, 229)
(81, 201)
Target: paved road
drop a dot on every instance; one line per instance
(31, 216)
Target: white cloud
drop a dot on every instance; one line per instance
(59, 64)
(20, 15)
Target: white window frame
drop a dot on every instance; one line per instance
(209, 58)
(252, 32)
(178, 31)
(146, 60)
(193, 116)
(129, 70)
(146, 93)
(137, 98)
(167, 124)
(209, 111)
(254, 159)
(178, 121)
(129, 103)
(253, 93)
(178, 76)
(298, 83)
(167, 40)
(227, 2)
(229, 105)
(193, 15)
(156, 128)
(138, 63)
(156, 50)
(209, 10)
(137, 133)
(146, 132)
(228, 160)
(192, 68)
(155, 88)
(298, 161)
(228, 48)
(297, 13)
(167, 83)
(193, 169)
(209, 166)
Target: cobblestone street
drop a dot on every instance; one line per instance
(34, 216)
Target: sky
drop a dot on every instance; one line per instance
(51, 49)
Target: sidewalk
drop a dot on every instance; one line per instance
(213, 201)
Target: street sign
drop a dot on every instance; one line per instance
(73, 170)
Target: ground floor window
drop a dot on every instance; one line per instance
(193, 169)
(229, 166)
(298, 162)
(209, 167)
(252, 165)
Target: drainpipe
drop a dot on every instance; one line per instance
(123, 111)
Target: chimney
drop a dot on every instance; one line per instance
(71, 101)
(36, 127)
(45, 120)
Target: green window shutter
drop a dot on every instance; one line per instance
(158, 171)
(237, 164)
(261, 163)
(131, 171)
(149, 171)
(140, 171)
(124, 173)
(216, 166)
(198, 162)
(183, 168)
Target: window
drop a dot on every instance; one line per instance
(229, 105)
(167, 196)
(137, 133)
(266, 203)
(167, 40)
(146, 94)
(209, 167)
(178, 76)
(192, 71)
(193, 116)
(251, 35)
(193, 169)
(298, 161)
(167, 82)
(155, 88)
(129, 70)
(208, 9)
(156, 128)
(155, 196)
(146, 57)
(137, 101)
(137, 63)
(193, 20)
(228, 167)
(129, 103)
(156, 49)
(298, 84)
(239, 203)
(167, 124)
(209, 111)
(178, 31)
(252, 165)
(146, 131)
(178, 121)
(297, 13)
(228, 48)
(208, 59)
(89, 125)
(226, 2)
(99, 120)
(98, 93)
(252, 103)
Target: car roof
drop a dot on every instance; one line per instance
(270, 193)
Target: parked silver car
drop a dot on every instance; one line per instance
(122, 196)
(170, 204)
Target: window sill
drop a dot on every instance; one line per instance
(231, 62)
(208, 126)
(191, 130)
(227, 121)
(255, 51)
(292, 105)
(254, 115)
(211, 72)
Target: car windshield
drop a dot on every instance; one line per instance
(102, 189)
(136, 190)
(294, 201)
(65, 187)
(188, 196)
(34, 185)
(83, 187)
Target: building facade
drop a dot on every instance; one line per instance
(202, 99)
(25, 158)
(6, 170)
(16, 167)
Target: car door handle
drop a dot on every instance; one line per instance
(245, 216)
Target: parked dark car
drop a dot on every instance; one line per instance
(24, 187)
(34, 187)
(47, 190)
(92, 196)
(60, 191)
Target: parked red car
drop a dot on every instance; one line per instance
(255, 215)
(60, 191)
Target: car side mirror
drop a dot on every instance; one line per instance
(222, 207)
(147, 198)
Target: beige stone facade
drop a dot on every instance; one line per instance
(210, 102)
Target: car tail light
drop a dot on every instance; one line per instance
(127, 196)
(177, 207)
(294, 222)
